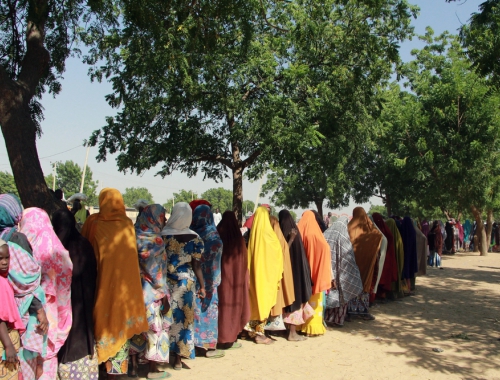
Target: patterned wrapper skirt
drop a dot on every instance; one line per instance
(314, 326)
(10, 371)
(359, 305)
(118, 364)
(86, 368)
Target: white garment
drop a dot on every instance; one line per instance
(217, 218)
(179, 221)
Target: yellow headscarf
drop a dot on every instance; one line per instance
(265, 265)
(119, 311)
(81, 215)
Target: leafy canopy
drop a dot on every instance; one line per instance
(7, 183)
(133, 194)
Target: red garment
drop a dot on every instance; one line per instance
(390, 270)
(460, 232)
(249, 222)
(9, 313)
(198, 202)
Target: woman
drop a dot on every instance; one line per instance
(119, 311)
(184, 250)
(346, 282)
(410, 267)
(234, 304)
(467, 227)
(302, 284)
(435, 240)
(11, 324)
(366, 240)
(449, 240)
(53, 258)
(390, 268)
(153, 267)
(397, 286)
(421, 251)
(76, 356)
(206, 311)
(265, 266)
(11, 212)
(286, 295)
(319, 257)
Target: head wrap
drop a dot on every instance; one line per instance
(11, 212)
(179, 221)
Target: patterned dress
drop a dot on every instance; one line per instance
(207, 309)
(181, 281)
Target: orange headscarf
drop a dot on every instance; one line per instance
(366, 240)
(317, 251)
(119, 311)
(286, 292)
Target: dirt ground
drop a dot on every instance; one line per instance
(456, 309)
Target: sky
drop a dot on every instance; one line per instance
(81, 108)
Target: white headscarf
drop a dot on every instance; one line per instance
(179, 221)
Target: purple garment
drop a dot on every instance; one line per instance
(425, 227)
(409, 237)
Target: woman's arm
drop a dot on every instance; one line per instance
(10, 351)
(199, 276)
(291, 237)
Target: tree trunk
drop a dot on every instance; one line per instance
(388, 206)
(489, 228)
(238, 193)
(483, 244)
(319, 206)
(19, 132)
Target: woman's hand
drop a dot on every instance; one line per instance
(202, 293)
(43, 323)
(334, 285)
(11, 354)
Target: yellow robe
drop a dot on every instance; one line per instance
(265, 266)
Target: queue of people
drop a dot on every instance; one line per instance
(164, 291)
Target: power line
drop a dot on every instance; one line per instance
(55, 154)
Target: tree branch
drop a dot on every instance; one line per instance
(251, 159)
(263, 11)
(215, 158)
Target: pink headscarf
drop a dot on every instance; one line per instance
(57, 270)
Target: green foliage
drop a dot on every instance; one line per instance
(220, 198)
(7, 183)
(223, 86)
(182, 196)
(481, 37)
(377, 208)
(248, 207)
(133, 194)
(69, 178)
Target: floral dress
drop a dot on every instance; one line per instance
(181, 281)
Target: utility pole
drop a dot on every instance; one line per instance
(54, 166)
(84, 169)
(258, 195)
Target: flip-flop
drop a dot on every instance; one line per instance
(235, 346)
(217, 354)
(159, 375)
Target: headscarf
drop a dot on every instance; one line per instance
(421, 250)
(345, 271)
(390, 269)
(319, 219)
(249, 222)
(409, 237)
(9, 312)
(179, 221)
(25, 276)
(461, 232)
(425, 227)
(119, 311)
(379, 265)
(56, 274)
(80, 342)
(366, 240)
(199, 202)
(11, 212)
(152, 255)
(398, 251)
(467, 230)
(265, 265)
(448, 241)
(317, 252)
(234, 304)
(81, 215)
(302, 284)
(286, 294)
(444, 234)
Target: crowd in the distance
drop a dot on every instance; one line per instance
(161, 291)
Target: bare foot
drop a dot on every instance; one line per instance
(259, 339)
(296, 337)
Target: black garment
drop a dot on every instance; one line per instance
(21, 240)
(448, 243)
(320, 221)
(409, 236)
(431, 239)
(302, 283)
(80, 341)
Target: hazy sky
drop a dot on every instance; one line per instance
(80, 109)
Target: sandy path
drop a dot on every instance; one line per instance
(461, 299)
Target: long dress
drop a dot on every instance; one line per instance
(397, 285)
(345, 272)
(207, 309)
(390, 269)
(54, 259)
(153, 267)
(234, 304)
(119, 312)
(265, 266)
(319, 257)
(76, 357)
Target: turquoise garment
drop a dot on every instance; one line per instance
(207, 309)
(467, 226)
(11, 212)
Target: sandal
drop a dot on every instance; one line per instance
(368, 317)
(159, 375)
(235, 346)
(216, 354)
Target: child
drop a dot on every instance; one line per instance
(10, 320)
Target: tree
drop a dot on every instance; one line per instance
(36, 38)
(7, 183)
(220, 198)
(69, 179)
(378, 208)
(133, 194)
(242, 90)
(182, 196)
(248, 207)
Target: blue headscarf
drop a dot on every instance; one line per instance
(11, 212)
